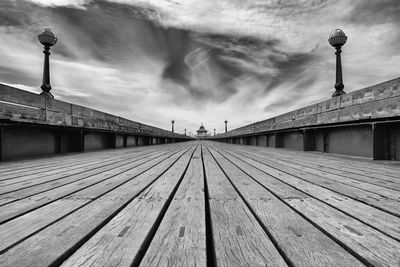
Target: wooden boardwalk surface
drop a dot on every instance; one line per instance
(199, 204)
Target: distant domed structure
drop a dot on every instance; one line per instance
(202, 132)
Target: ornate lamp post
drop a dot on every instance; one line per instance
(47, 37)
(337, 39)
(172, 122)
(226, 126)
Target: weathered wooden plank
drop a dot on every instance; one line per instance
(14, 169)
(328, 168)
(345, 164)
(46, 173)
(52, 184)
(238, 238)
(16, 230)
(120, 241)
(376, 248)
(64, 171)
(386, 222)
(356, 181)
(180, 239)
(302, 243)
(88, 188)
(28, 164)
(389, 187)
(68, 165)
(384, 199)
(371, 245)
(55, 242)
(363, 166)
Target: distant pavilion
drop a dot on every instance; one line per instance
(201, 132)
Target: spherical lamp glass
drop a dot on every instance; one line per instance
(47, 37)
(337, 38)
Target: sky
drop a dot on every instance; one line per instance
(198, 61)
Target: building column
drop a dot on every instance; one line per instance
(125, 140)
(308, 140)
(278, 140)
(381, 142)
(82, 141)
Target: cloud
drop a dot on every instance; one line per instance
(377, 12)
(56, 3)
(198, 61)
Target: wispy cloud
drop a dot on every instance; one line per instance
(198, 61)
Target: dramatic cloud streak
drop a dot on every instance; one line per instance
(198, 61)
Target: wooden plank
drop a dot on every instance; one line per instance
(181, 237)
(14, 168)
(54, 243)
(88, 188)
(20, 228)
(52, 184)
(37, 176)
(66, 171)
(302, 243)
(364, 166)
(386, 182)
(121, 240)
(389, 188)
(323, 163)
(24, 164)
(69, 167)
(371, 245)
(238, 238)
(383, 170)
(93, 191)
(385, 199)
(386, 223)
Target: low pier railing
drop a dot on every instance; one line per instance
(362, 123)
(32, 125)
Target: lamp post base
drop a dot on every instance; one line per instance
(47, 95)
(338, 93)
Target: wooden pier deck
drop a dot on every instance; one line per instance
(199, 204)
